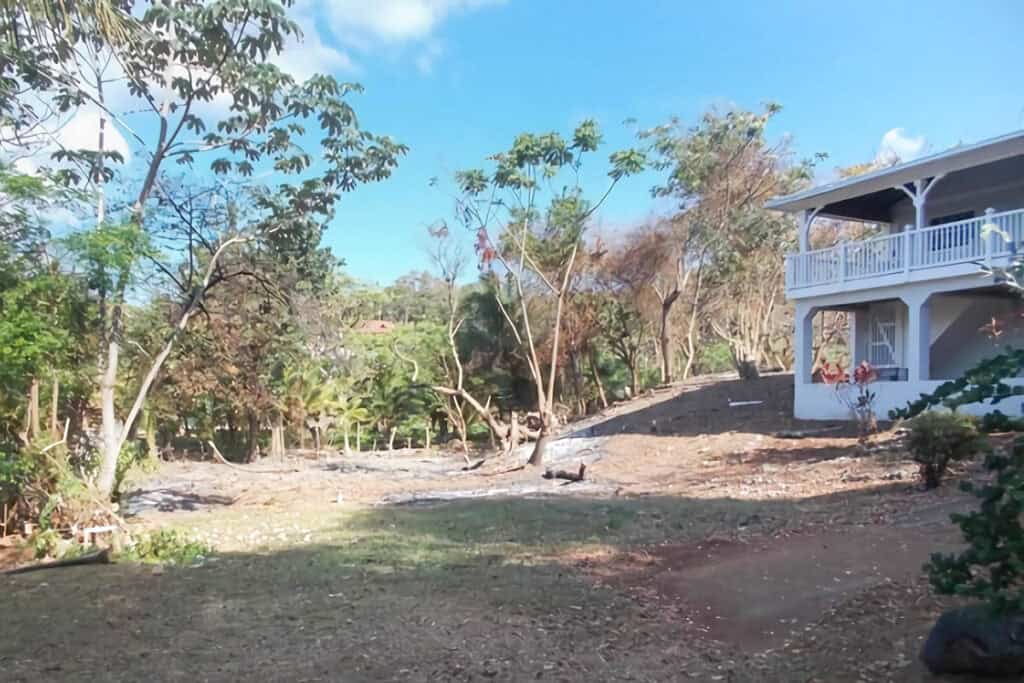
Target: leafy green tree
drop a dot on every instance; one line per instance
(536, 237)
(183, 57)
(721, 172)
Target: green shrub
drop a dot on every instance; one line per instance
(16, 471)
(133, 457)
(938, 438)
(992, 567)
(166, 546)
(713, 358)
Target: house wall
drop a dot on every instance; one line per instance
(963, 344)
(819, 401)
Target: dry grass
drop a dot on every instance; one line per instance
(561, 586)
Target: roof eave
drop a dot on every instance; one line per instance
(955, 159)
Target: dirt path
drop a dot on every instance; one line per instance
(754, 597)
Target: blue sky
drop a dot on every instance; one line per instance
(846, 73)
(455, 80)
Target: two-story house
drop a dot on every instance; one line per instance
(919, 308)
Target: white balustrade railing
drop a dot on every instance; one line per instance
(879, 256)
(948, 243)
(932, 247)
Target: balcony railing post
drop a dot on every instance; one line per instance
(842, 262)
(987, 230)
(907, 243)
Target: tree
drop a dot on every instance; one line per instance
(40, 306)
(625, 330)
(450, 262)
(721, 172)
(184, 57)
(537, 247)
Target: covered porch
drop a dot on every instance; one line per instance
(932, 218)
(916, 336)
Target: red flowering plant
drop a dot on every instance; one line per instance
(855, 393)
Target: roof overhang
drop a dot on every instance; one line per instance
(865, 196)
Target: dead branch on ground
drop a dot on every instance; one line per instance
(568, 476)
(101, 557)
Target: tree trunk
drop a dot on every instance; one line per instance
(54, 402)
(108, 421)
(391, 438)
(664, 342)
(633, 382)
(277, 437)
(537, 457)
(347, 447)
(747, 368)
(359, 438)
(253, 438)
(33, 422)
(149, 424)
(596, 373)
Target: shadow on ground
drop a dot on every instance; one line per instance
(704, 408)
(472, 590)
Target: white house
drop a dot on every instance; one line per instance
(918, 304)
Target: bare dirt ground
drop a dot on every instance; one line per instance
(701, 546)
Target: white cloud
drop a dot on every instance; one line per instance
(394, 20)
(310, 55)
(79, 132)
(430, 54)
(83, 130)
(897, 145)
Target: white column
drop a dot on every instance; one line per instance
(803, 342)
(918, 196)
(855, 323)
(918, 338)
(805, 228)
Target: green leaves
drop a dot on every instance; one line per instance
(109, 253)
(984, 382)
(626, 162)
(992, 567)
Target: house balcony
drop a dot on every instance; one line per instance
(934, 252)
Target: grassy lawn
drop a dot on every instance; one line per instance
(469, 590)
(460, 591)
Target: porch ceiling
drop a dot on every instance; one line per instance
(870, 196)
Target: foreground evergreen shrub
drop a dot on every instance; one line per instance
(938, 438)
(992, 567)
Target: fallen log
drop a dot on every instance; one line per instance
(475, 465)
(804, 433)
(568, 476)
(101, 557)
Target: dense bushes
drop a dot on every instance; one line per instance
(937, 438)
(992, 567)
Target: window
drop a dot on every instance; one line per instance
(954, 235)
(883, 337)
